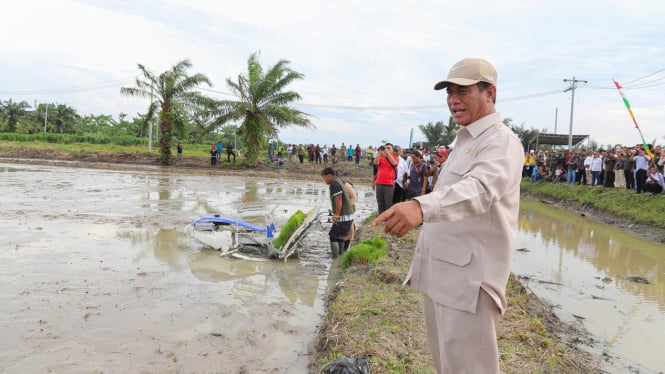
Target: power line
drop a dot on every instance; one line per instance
(633, 83)
(87, 87)
(531, 96)
(644, 77)
(215, 91)
(639, 86)
(652, 83)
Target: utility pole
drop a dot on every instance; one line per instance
(45, 116)
(150, 126)
(572, 103)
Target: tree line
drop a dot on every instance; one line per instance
(262, 107)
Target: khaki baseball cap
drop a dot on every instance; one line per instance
(469, 71)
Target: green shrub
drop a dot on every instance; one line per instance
(643, 208)
(54, 138)
(289, 228)
(365, 252)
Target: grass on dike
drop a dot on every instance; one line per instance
(371, 314)
(643, 208)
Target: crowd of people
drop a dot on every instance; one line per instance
(216, 150)
(633, 168)
(321, 154)
(398, 174)
(403, 174)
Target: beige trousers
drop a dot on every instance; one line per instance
(463, 342)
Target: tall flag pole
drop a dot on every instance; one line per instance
(630, 111)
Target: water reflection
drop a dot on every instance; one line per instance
(295, 280)
(256, 277)
(613, 252)
(253, 200)
(584, 268)
(118, 236)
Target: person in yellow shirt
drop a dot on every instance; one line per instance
(531, 162)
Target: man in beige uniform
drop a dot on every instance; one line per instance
(463, 255)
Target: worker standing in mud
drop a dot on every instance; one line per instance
(342, 209)
(469, 221)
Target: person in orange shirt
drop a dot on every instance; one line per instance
(384, 181)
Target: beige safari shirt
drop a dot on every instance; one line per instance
(470, 219)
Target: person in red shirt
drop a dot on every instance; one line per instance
(384, 181)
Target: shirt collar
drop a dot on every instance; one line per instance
(479, 126)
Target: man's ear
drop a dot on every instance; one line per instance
(491, 93)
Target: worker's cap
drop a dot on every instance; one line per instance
(468, 72)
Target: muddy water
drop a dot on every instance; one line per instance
(586, 269)
(97, 275)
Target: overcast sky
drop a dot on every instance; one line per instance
(369, 66)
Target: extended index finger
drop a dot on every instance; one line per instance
(383, 217)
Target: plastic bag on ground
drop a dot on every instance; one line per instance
(346, 365)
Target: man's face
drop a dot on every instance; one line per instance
(468, 103)
(328, 178)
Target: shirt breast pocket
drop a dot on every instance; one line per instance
(454, 172)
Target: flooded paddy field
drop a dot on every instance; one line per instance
(98, 276)
(604, 279)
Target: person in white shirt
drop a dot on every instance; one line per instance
(596, 165)
(587, 167)
(654, 182)
(399, 194)
(324, 154)
(641, 167)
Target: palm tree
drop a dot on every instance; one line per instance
(12, 111)
(527, 136)
(449, 132)
(433, 132)
(262, 106)
(172, 96)
(63, 118)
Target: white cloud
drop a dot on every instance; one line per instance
(363, 54)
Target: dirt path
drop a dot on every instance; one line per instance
(192, 165)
